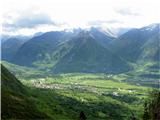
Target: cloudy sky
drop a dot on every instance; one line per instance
(30, 16)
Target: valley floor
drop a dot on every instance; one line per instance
(99, 96)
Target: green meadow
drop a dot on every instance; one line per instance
(100, 96)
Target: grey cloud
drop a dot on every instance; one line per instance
(28, 21)
(100, 22)
(127, 11)
(114, 21)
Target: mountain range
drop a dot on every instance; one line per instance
(92, 51)
(138, 44)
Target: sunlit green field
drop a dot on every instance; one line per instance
(100, 96)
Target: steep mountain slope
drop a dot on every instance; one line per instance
(10, 47)
(131, 45)
(91, 52)
(15, 103)
(151, 49)
(22, 72)
(101, 36)
(9, 82)
(46, 50)
(86, 55)
(38, 48)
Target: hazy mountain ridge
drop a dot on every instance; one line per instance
(37, 47)
(59, 49)
(87, 55)
(10, 47)
(131, 44)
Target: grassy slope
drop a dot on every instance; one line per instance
(24, 72)
(15, 102)
(100, 96)
(145, 74)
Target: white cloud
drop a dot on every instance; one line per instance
(28, 21)
(78, 13)
(127, 11)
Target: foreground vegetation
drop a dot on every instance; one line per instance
(15, 100)
(152, 106)
(99, 96)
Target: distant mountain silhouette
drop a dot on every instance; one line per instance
(90, 51)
